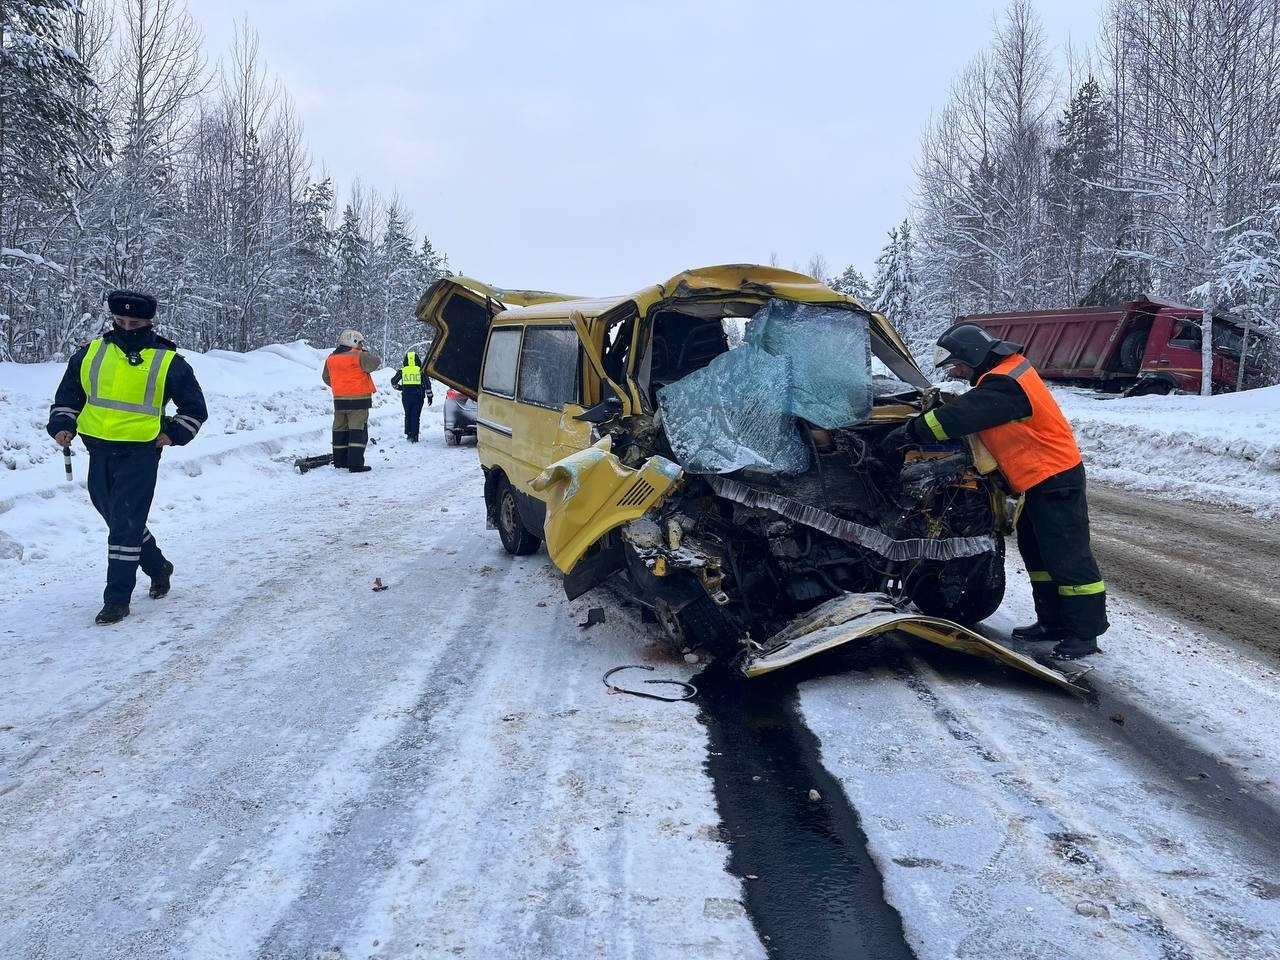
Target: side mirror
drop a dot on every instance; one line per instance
(604, 411)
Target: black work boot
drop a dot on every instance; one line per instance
(112, 613)
(1071, 647)
(160, 582)
(355, 461)
(1036, 633)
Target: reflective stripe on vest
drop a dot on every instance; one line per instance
(124, 401)
(1036, 448)
(345, 376)
(411, 373)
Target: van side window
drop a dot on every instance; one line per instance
(500, 361)
(549, 367)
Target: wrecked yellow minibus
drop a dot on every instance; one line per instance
(735, 492)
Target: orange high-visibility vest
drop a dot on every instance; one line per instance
(346, 379)
(1036, 448)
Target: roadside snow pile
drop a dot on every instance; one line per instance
(1221, 450)
(262, 404)
(273, 387)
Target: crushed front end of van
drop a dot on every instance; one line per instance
(780, 532)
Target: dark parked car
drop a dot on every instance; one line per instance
(459, 417)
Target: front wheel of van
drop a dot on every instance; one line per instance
(965, 591)
(515, 536)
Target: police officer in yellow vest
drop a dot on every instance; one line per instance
(1018, 420)
(113, 394)
(414, 385)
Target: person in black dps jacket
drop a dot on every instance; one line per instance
(414, 386)
(1018, 420)
(113, 394)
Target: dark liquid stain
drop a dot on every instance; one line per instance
(817, 894)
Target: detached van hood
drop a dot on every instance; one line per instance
(858, 617)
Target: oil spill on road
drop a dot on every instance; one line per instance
(816, 893)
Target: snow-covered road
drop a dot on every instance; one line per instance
(277, 761)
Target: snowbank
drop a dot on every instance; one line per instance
(262, 404)
(1221, 450)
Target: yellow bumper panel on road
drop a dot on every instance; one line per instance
(861, 616)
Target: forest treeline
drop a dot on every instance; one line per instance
(128, 160)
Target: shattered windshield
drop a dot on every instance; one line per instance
(739, 411)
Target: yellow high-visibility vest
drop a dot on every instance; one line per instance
(411, 373)
(125, 401)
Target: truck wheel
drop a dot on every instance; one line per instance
(1132, 347)
(1149, 386)
(516, 538)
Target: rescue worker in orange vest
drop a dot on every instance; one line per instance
(1018, 420)
(346, 372)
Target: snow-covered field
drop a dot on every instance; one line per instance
(277, 761)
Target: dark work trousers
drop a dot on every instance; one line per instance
(412, 398)
(1053, 538)
(122, 481)
(350, 437)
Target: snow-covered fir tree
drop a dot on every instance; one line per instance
(352, 307)
(853, 283)
(49, 142)
(894, 287)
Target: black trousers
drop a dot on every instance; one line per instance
(350, 436)
(412, 400)
(1053, 538)
(122, 483)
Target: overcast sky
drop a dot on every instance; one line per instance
(596, 148)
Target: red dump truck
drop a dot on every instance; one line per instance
(1145, 346)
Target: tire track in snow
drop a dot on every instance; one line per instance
(1180, 928)
(120, 803)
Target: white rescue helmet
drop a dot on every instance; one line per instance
(351, 338)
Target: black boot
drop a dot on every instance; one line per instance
(160, 582)
(355, 461)
(112, 613)
(1036, 632)
(1072, 647)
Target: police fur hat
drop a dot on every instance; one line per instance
(127, 303)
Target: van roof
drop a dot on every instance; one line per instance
(588, 307)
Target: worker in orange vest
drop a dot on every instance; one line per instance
(1018, 420)
(346, 372)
